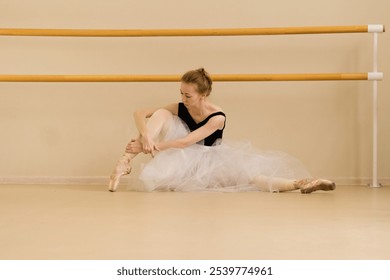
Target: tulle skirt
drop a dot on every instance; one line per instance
(230, 166)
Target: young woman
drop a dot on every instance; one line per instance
(185, 141)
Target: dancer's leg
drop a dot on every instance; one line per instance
(272, 184)
(158, 123)
(157, 126)
(312, 185)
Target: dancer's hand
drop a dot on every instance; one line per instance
(148, 145)
(134, 147)
(137, 146)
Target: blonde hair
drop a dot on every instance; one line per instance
(200, 78)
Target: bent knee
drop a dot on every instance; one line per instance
(162, 114)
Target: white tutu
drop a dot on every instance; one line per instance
(225, 167)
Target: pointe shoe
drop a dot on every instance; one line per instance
(312, 185)
(122, 168)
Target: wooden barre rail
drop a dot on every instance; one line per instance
(176, 78)
(192, 32)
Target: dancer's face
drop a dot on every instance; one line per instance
(190, 96)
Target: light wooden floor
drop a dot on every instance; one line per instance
(88, 222)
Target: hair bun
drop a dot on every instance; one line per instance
(201, 78)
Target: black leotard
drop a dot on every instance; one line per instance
(210, 140)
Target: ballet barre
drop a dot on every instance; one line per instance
(373, 28)
(374, 76)
(176, 78)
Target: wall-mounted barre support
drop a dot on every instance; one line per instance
(375, 183)
(192, 32)
(176, 78)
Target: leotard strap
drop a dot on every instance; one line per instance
(193, 125)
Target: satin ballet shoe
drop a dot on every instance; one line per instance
(312, 185)
(122, 168)
(114, 181)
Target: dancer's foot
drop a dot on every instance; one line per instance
(312, 185)
(122, 168)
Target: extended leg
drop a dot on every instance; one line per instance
(312, 185)
(271, 184)
(157, 126)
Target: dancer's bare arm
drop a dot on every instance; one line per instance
(215, 123)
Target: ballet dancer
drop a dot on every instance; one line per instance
(185, 141)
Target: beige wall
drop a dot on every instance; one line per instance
(78, 130)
